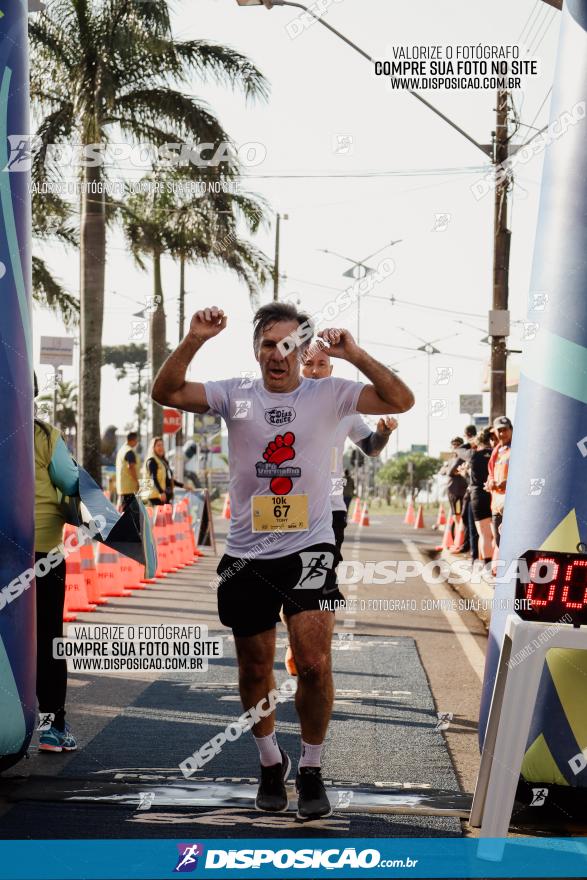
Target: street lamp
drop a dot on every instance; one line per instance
(269, 4)
(358, 271)
(498, 153)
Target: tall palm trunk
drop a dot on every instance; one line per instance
(181, 323)
(157, 339)
(92, 273)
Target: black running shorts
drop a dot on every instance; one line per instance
(456, 504)
(252, 592)
(481, 503)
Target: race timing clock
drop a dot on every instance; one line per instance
(552, 587)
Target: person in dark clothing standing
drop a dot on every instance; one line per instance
(471, 536)
(348, 491)
(480, 500)
(457, 484)
(56, 475)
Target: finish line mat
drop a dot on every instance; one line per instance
(126, 782)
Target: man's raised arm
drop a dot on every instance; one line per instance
(387, 393)
(170, 387)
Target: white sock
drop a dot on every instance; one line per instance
(311, 755)
(268, 749)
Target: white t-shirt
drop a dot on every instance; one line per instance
(299, 463)
(356, 429)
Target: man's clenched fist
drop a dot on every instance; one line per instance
(207, 323)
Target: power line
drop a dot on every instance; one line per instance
(548, 24)
(443, 353)
(360, 175)
(538, 19)
(544, 100)
(530, 15)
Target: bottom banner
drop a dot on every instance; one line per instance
(368, 858)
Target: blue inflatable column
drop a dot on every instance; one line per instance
(17, 613)
(546, 501)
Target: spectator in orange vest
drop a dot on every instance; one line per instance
(498, 472)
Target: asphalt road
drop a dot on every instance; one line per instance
(395, 670)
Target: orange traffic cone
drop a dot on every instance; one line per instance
(138, 572)
(356, 517)
(180, 535)
(129, 575)
(419, 523)
(109, 578)
(447, 538)
(410, 517)
(175, 532)
(226, 508)
(90, 574)
(162, 540)
(365, 516)
(68, 615)
(171, 565)
(75, 582)
(459, 540)
(441, 518)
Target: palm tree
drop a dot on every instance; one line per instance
(108, 69)
(51, 220)
(158, 219)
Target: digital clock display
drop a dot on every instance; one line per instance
(554, 587)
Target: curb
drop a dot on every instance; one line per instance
(480, 595)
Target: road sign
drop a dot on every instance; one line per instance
(171, 421)
(471, 404)
(416, 447)
(57, 351)
(481, 421)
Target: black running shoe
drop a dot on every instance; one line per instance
(313, 801)
(272, 796)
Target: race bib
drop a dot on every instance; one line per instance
(279, 513)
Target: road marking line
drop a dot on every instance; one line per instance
(350, 622)
(471, 649)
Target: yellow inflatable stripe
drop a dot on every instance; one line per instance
(564, 537)
(569, 675)
(538, 764)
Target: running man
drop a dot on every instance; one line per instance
(317, 365)
(279, 458)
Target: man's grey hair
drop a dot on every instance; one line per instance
(273, 312)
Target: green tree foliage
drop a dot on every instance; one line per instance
(399, 476)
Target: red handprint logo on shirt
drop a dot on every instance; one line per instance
(277, 452)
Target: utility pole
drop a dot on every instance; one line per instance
(501, 256)
(501, 233)
(140, 403)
